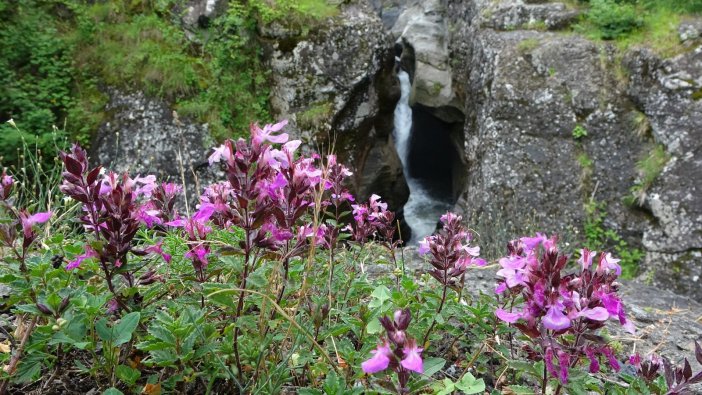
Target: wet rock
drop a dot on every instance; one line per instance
(423, 28)
(197, 14)
(335, 83)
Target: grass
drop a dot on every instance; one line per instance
(657, 28)
(528, 45)
(144, 51)
(648, 169)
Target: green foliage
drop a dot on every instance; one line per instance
(36, 75)
(579, 132)
(599, 238)
(613, 19)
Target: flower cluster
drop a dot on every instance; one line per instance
(6, 183)
(557, 304)
(450, 249)
(19, 217)
(372, 219)
(398, 351)
(678, 379)
(114, 208)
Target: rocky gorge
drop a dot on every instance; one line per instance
(528, 126)
(498, 88)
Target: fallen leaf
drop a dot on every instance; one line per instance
(5, 347)
(152, 389)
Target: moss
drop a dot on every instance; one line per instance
(528, 45)
(697, 95)
(316, 114)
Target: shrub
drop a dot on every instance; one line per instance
(613, 19)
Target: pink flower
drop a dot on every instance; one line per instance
(586, 258)
(259, 136)
(595, 314)
(531, 243)
(220, 152)
(28, 221)
(510, 317)
(413, 359)
(76, 262)
(379, 361)
(555, 319)
(607, 263)
(148, 184)
(158, 249)
(424, 246)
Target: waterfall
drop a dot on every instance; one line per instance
(403, 119)
(424, 207)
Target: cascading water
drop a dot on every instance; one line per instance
(424, 207)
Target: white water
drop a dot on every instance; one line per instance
(424, 207)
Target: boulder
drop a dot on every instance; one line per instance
(144, 136)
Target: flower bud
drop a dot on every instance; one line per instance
(64, 304)
(61, 322)
(44, 309)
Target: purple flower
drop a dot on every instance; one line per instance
(220, 152)
(510, 317)
(596, 314)
(555, 319)
(608, 263)
(78, 260)
(259, 136)
(6, 183)
(412, 360)
(586, 258)
(379, 361)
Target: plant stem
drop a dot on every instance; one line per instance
(17, 355)
(438, 311)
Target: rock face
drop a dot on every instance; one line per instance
(144, 136)
(666, 92)
(526, 93)
(335, 83)
(555, 122)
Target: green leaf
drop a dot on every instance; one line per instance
(374, 326)
(112, 391)
(521, 390)
(433, 365)
(104, 332)
(380, 294)
(470, 385)
(126, 326)
(445, 388)
(127, 374)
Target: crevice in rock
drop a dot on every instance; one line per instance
(433, 158)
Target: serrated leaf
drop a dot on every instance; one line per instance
(127, 374)
(380, 294)
(374, 326)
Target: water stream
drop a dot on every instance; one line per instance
(425, 205)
